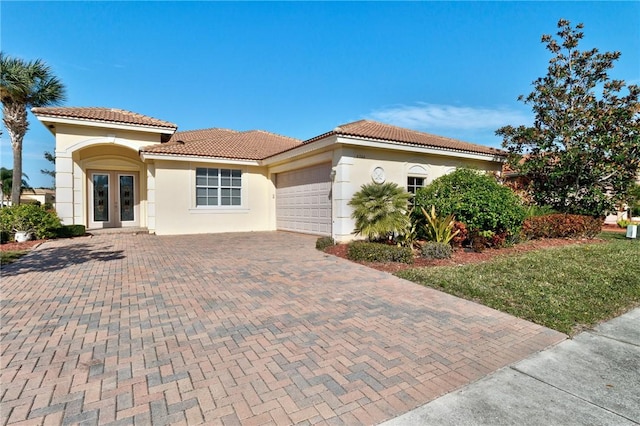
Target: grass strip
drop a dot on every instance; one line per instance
(11, 256)
(567, 288)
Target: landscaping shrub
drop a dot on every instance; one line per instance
(70, 231)
(379, 252)
(438, 229)
(30, 218)
(380, 210)
(623, 223)
(561, 226)
(476, 199)
(324, 242)
(436, 250)
(536, 210)
(461, 236)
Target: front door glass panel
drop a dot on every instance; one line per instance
(126, 199)
(100, 198)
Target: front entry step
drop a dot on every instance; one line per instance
(105, 231)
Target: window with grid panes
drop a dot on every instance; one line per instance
(218, 187)
(414, 183)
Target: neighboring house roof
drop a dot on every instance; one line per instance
(42, 191)
(107, 115)
(224, 143)
(374, 130)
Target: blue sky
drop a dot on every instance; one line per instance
(300, 69)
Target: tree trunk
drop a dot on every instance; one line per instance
(15, 121)
(16, 187)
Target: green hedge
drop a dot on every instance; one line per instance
(379, 252)
(69, 231)
(324, 242)
(561, 225)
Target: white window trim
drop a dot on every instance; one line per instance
(244, 191)
(417, 170)
(423, 177)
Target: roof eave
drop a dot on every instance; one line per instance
(305, 148)
(48, 118)
(197, 158)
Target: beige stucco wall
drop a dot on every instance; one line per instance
(175, 210)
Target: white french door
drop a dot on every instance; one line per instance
(113, 199)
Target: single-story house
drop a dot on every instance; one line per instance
(116, 168)
(39, 195)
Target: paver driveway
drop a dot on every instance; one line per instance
(226, 329)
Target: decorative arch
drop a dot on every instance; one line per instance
(418, 170)
(109, 140)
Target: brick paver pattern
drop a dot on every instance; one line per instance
(256, 328)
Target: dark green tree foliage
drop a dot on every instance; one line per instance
(583, 150)
(475, 199)
(52, 159)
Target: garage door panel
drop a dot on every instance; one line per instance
(303, 202)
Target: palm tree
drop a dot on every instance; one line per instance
(380, 210)
(24, 85)
(6, 182)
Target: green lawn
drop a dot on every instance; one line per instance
(9, 256)
(567, 288)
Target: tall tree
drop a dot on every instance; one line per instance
(52, 159)
(24, 85)
(583, 151)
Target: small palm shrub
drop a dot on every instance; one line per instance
(436, 250)
(380, 210)
(378, 252)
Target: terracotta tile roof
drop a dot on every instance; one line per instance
(201, 134)
(386, 132)
(224, 143)
(107, 115)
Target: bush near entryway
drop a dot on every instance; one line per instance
(70, 231)
(474, 198)
(30, 218)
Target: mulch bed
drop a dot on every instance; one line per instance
(463, 256)
(27, 245)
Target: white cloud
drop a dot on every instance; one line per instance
(425, 116)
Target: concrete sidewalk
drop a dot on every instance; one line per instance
(591, 379)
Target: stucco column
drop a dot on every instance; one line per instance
(64, 187)
(151, 197)
(342, 193)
